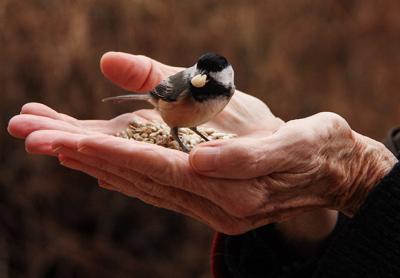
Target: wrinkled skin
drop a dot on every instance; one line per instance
(272, 172)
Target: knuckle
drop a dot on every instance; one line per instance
(336, 121)
(329, 116)
(239, 155)
(129, 77)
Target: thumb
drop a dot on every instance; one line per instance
(134, 72)
(240, 158)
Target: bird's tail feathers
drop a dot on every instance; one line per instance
(130, 97)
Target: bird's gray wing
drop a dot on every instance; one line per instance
(173, 87)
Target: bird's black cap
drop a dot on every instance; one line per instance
(212, 62)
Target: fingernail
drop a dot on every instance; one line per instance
(205, 158)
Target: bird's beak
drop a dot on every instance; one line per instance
(199, 80)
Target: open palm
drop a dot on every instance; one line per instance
(244, 114)
(76, 141)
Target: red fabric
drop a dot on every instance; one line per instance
(218, 268)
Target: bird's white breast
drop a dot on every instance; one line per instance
(191, 113)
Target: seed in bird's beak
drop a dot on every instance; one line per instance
(199, 80)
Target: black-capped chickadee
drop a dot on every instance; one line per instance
(191, 97)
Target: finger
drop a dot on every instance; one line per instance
(41, 142)
(103, 126)
(136, 185)
(109, 180)
(134, 72)
(21, 126)
(144, 183)
(171, 168)
(39, 109)
(138, 156)
(240, 158)
(108, 127)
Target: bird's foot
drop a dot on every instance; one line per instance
(194, 129)
(174, 134)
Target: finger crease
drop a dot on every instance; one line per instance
(150, 72)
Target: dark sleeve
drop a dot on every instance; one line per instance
(259, 253)
(366, 245)
(369, 245)
(392, 141)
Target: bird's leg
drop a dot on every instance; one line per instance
(174, 134)
(199, 133)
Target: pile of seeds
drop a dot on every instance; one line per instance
(158, 133)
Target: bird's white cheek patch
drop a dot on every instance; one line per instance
(225, 76)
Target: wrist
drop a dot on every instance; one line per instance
(371, 161)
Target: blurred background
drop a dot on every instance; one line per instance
(300, 57)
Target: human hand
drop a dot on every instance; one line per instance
(295, 169)
(308, 163)
(244, 114)
(45, 130)
(164, 177)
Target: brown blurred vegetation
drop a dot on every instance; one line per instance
(301, 57)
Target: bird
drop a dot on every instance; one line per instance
(192, 96)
